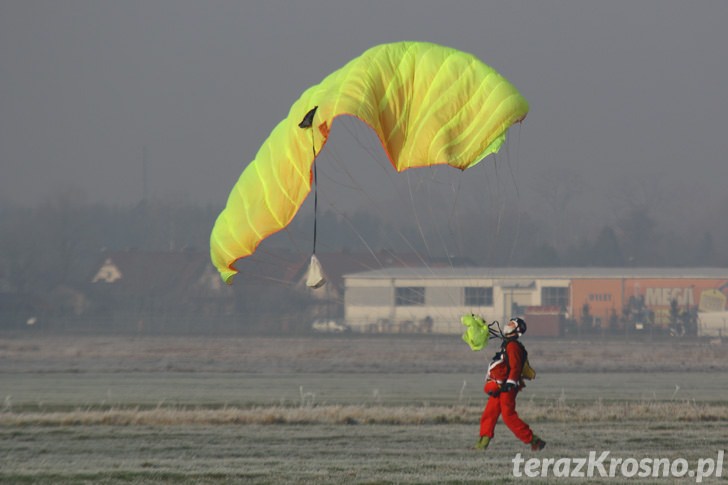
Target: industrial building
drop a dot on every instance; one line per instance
(434, 299)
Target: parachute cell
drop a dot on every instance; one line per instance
(428, 105)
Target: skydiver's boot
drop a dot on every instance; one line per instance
(537, 444)
(482, 443)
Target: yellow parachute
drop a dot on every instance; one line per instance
(428, 104)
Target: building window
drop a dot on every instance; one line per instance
(478, 296)
(409, 296)
(555, 296)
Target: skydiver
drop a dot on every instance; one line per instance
(502, 384)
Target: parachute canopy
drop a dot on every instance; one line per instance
(428, 104)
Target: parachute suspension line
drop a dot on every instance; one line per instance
(362, 239)
(367, 195)
(510, 169)
(364, 146)
(315, 194)
(453, 223)
(315, 278)
(354, 186)
(493, 251)
(307, 124)
(442, 239)
(438, 230)
(490, 197)
(519, 212)
(416, 217)
(517, 235)
(385, 167)
(510, 239)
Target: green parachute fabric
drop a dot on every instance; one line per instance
(428, 104)
(476, 334)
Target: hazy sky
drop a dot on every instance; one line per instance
(619, 90)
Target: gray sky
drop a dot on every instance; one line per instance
(620, 91)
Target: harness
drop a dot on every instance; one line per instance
(502, 357)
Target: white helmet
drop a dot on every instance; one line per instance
(515, 327)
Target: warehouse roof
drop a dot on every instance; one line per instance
(539, 273)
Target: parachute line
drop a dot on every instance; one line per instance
(315, 191)
(368, 195)
(416, 216)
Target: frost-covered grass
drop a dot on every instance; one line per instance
(335, 410)
(327, 453)
(597, 412)
(357, 353)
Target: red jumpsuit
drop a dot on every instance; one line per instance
(504, 403)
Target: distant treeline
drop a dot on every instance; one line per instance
(48, 254)
(57, 243)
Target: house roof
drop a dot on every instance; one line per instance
(337, 265)
(151, 272)
(276, 267)
(270, 267)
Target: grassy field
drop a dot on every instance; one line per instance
(322, 453)
(338, 410)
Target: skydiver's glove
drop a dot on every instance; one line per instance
(508, 386)
(494, 393)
